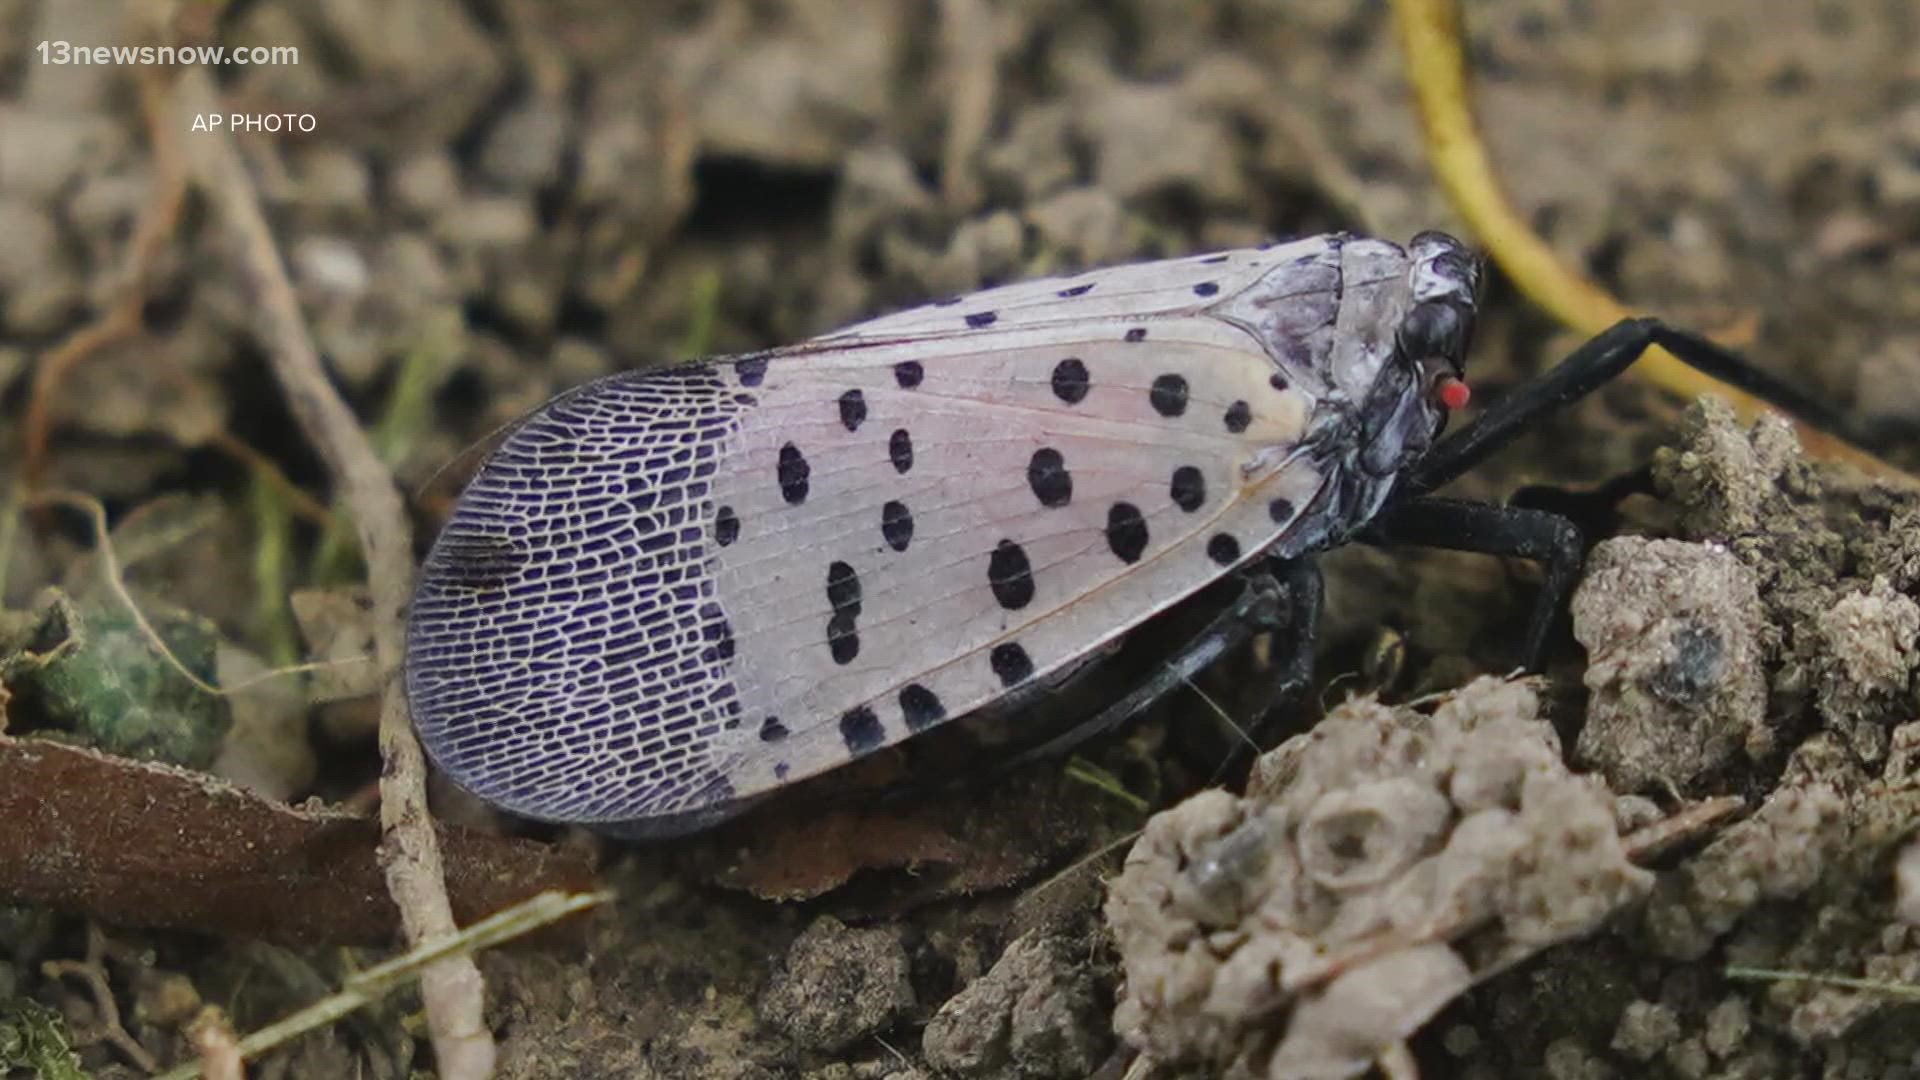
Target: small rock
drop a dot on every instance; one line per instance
(333, 187)
(1674, 662)
(522, 153)
(1872, 641)
(267, 748)
(1873, 637)
(42, 151)
(1334, 893)
(32, 242)
(1887, 378)
(1722, 475)
(1569, 1059)
(1084, 225)
(490, 222)
(1896, 554)
(1688, 1059)
(1036, 157)
(1906, 877)
(1728, 1025)
(1776, 854)
(337, 626)
(799, 99)
(1035, 1009)
(1151, 138)
(165, 998)
(426, 184)
(1646, 1028)
(838, 985)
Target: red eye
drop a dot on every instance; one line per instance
(1453, 393)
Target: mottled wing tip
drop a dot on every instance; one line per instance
(565, 652)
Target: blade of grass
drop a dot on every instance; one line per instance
(1907, 991)
(383, 979)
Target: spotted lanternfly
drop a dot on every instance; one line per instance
(669, 593)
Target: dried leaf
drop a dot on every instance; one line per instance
(148, 845)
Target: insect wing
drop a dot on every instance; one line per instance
(1130, 293)
(672, 591)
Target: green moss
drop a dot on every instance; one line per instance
(98, 681)
(34, 1038)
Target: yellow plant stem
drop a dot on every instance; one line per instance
(1436, 67)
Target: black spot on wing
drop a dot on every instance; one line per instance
(1223, 549)
(1070, 380)
(1168, 395)
(1047, 475)
(793, 474)
(1126, 531)
(900, 450)
(1010, 575)
(1011, 663)
(843, 638)
(843, 587)
(1188, 488)
(921, 707)
(853, 409)
(860, 729)
(896, 525)
(843, 594)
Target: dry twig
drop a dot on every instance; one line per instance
(92, 971)
(123, 319)
(451, 988)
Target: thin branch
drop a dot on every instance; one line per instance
(122, 320)
(451, 988)
(92, 971)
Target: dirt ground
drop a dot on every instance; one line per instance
(498, 200)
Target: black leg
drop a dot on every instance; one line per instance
(1595, 510)
(1590, 366)
(1543, 537)
(1285, 596)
